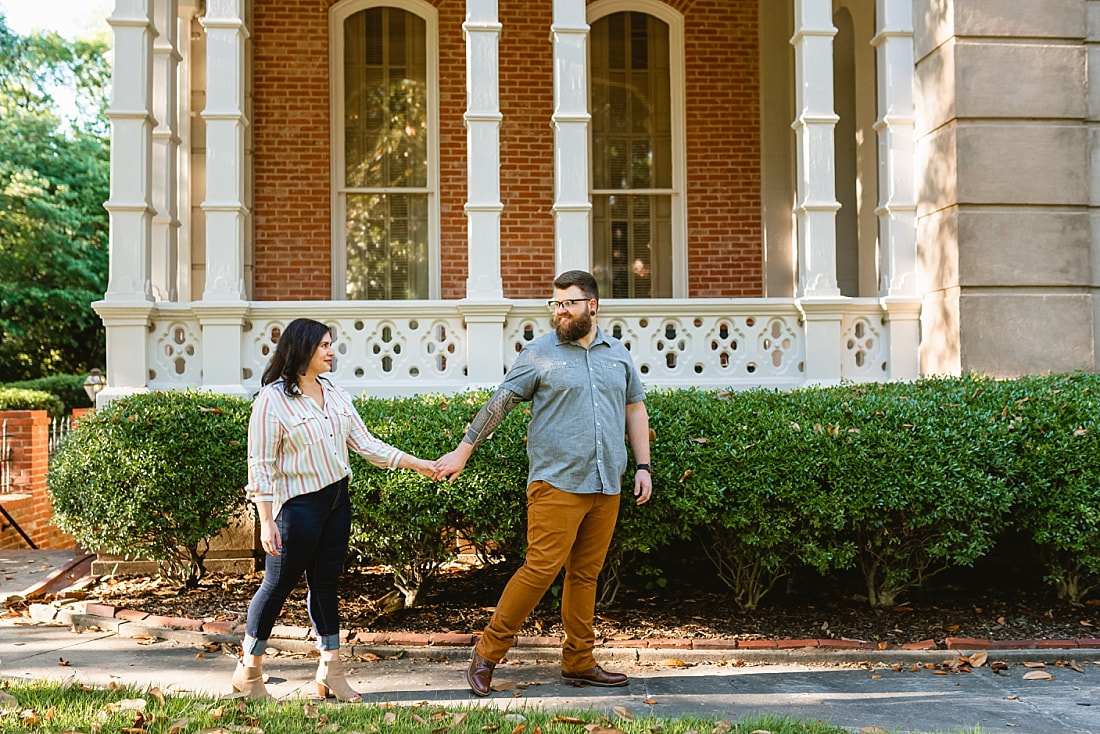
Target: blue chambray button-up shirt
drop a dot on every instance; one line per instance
(578, 410)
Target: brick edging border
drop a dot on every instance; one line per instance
(110, 614)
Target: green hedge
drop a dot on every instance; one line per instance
(21, 399)
(154, 476)
(69, 389)
(894, 482)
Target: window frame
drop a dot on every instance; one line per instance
(678, 121)
(339, 13)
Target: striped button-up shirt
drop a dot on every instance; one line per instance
(296, 447)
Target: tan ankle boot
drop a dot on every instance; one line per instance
(331, 682)
(250, 681)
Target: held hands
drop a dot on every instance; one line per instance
(449, 466)
(424, 468)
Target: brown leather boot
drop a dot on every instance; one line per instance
(479, 675)
(595, 676)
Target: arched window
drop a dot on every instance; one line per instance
(384, 72)
(636, 102)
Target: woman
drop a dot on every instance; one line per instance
(298, 439)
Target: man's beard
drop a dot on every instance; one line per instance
(576, 328)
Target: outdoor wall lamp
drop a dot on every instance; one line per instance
(93, 383)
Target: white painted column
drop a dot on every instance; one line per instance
(222, 309)
(816, 204)
(188, 9)
(572, 205)
(127, 304)
(166, 142)
(897, 207)
(484, 307)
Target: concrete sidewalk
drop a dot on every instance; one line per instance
(850, 689)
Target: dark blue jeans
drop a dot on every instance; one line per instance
(314, 528)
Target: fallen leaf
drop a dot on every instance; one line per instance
(650, 701)
(1086, 623)
(685, 475)
(504, 685)
(674, 663)
(601, 729)
(8, 699)
(623, 712)
(567, 720)
(459, 719)
(1013, 697)
(876, 676)
(1038, 675)
(519, 728)
(310, 711)
(490, 727)
(63, 662)
(721, 727)
(978, 659)
(389, 718)
(873, 730)
(157, 694)
(419, 719)
(1073, 664)
(1034, 665)
(178, 726)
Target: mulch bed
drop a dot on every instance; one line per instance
(694, 606)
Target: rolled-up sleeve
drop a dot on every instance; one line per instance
(264, 436)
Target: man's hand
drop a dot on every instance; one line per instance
(449, 466)
(643, 486)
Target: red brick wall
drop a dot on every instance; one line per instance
(28, 438)
(291, 134)
(724, 206)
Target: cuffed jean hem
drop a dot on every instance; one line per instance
(328, 642)
(252, 646)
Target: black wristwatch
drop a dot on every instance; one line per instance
(639, 467)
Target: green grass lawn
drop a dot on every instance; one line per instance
(62, 708)
(56, 708)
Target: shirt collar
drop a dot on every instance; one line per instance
(599, 338)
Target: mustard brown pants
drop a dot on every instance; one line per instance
(563, 529)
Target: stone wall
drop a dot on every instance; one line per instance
(1005, 247)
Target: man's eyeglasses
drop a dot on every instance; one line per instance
(567, 303)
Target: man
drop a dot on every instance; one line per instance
(585, 391)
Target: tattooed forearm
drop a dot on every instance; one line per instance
(490, 416)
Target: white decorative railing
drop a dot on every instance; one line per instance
(422, 346)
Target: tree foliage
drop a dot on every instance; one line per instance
(54, 175)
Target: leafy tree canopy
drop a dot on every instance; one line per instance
(54, 178)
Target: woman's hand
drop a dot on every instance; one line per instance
(270, 539)
(420, 466)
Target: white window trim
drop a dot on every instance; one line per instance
(675, 22)
(338, 13)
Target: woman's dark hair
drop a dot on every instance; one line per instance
(295, 349)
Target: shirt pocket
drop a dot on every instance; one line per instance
(343, 421)
(305, 430)
(566, 376)
(613, 377)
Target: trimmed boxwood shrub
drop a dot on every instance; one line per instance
(1054, 472)
(69, 389)
(407, 521)
(154, 476)
(913, 465)
(22, 399)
